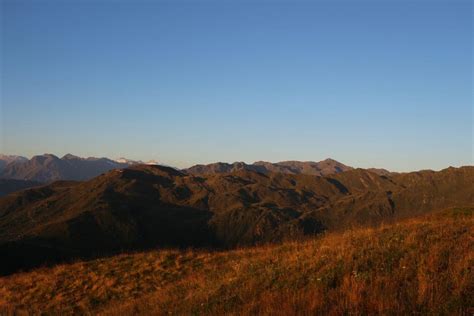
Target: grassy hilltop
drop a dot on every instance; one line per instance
(421, 265)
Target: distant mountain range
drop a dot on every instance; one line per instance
(48, 168)
(322, 168)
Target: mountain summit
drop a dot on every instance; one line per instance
(7, 159)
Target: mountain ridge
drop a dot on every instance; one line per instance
(321, 168)
(49, 167)
(148, 206)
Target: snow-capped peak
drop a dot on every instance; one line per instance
(128, 161)
(152, 162)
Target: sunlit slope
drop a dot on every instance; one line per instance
(422, 265)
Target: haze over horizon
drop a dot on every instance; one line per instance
(370, 84)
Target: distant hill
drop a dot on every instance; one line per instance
(47, 168)
(322, 168)
(148, 206)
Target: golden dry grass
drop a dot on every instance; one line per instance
(420, 266)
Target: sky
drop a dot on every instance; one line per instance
(385, 83)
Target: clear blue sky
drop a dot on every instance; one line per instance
(368, 83)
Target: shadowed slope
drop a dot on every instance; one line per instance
(8, 186)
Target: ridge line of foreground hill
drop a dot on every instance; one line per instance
(418, 266)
